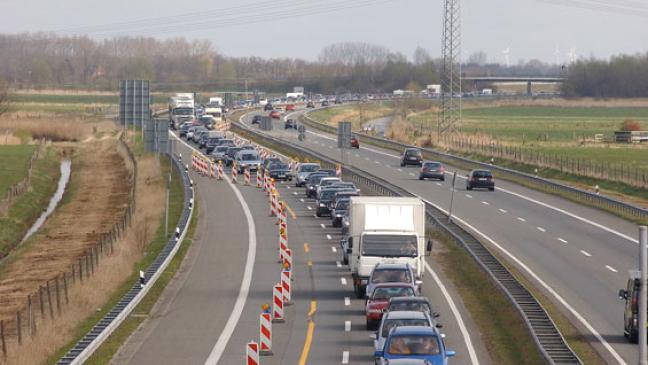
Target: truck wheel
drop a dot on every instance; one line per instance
(634, 336)
(370, 325)
(358, 292)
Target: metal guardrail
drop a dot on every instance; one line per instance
(107, 325)
(593, 199)
(548, 338)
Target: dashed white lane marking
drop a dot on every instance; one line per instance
(357, 155)
(439, 184)
(333, 249)
(347, 326)
(411, 174)
(521, 219)
(309, 207)
(347, 301)
(343, 281)
(401, 170)
(345, 357)
(288, 187)
(301, 200)
(367, 158)
(541, 229)
(485, 203)
(468, 196)
(295, 193)
(322, 225)
(338, 264)
(562, 240)
(586, 253)
(328, 237)
(611, 268)
(503, 210)
(377, 162)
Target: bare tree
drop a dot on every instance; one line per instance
(4, 97)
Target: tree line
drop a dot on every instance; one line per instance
(622, 76)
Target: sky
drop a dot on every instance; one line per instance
(548, 30)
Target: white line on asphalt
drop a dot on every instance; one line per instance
(401, 170)
(288, 187)
(357, 155)
(295, 193)
(343, 281)
(347, 326)
(503, 210)
(345, 357)
(338, 264)
(562, 240)
(237, 310)
(411, 174)
(542, 283)
(315, 216)
(301, 200)
(541, 229)
(367, 158)
(485, 203)
(333, 249)
(586, 253)
(309, 207)
(521, 219)
(377, 162)
(611, 268)
(347, 301)
(467, 195)
(322, 225)
(439, 184)
(328, 237)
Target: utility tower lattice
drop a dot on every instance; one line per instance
(451, 73)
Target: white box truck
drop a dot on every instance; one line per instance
(385, 230)
(181, 109)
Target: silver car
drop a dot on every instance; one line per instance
(392, 273)
(397, 319)
(249, 159)
(303, 171)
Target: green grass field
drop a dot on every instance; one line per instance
(15, 162)
(352, 113)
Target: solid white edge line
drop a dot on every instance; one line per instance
(232, 321)
(542, 283)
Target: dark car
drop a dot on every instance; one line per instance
(290, 123)
(218, 154)
(269, 161)
(631, 308)
(392, 273)
(256, 119)
(480, 179)
(355, 142)
(432, 170)
(230, 154)
(378, 300)
(313, 182)
(275, 114)
(324, 200)
(280, 171)
(211, 144)
(325, 103)
(340, 208)
(343, 194)
(420, 304)
(310, 104)
(184, 128)
(268, 107)
(412, 156)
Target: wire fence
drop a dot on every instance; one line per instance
(50, 299)
(20, 187)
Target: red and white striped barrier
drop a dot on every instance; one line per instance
(277, 304)
(288, 259)
(338, 171)
(286, 276)
(212, 169)
(265, 333)
(234, 173)
(258, 178)
(283, 217)
(252, 353)
(221, 173)
(273, 203)
(283, 244)
(193, 161)
(246, 176)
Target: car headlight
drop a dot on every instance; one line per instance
(322, 205)
(311, 188)
(346, 224)
(338, 215)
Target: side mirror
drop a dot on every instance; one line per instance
(623, 294)
(450, 353)
(379, 354)
(438, 325)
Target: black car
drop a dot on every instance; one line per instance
(325, 198)
(280, 171)
(211, 144)
(631, 311)
(256, 119)
(313, 182)
(290, 123)
(268, 107)
(344, 193)
(325, 103)
(432, 170)
(269, 161)
(184, 128)
(480, 179)
(412, 156)
(229, 155)
(341, 207)
(310, 104)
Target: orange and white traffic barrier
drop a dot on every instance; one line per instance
(286, 276)
(212, 169)
(288, 259)
(277, 304)
(283, 244)
(273, 203)
(234, 173)
(266, 184)
(283, 217)
(193, 161)
(265, 333)
(252, 353)
(338, 171)
(246, 176)
(258, 178)
(279, 211)
(221, 173)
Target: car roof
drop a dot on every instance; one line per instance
(414, 330)
(432, 162)
(406, 315)
(393, 285)
(480, 170)
(309, 164)
(409, 299)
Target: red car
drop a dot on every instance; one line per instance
(290, 108)
(378, 300)
(355, 143)
(275, 114)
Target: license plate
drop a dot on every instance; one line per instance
(282, 175)
(412, 158)
(482, 179)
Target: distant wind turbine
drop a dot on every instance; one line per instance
(572, 55)
(557, 55)
(507, 54)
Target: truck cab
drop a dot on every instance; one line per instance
(631, 308)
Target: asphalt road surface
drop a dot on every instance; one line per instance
(188, 324)
(578, 256)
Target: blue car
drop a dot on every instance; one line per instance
(408, 342)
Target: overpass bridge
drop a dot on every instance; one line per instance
(513, 79)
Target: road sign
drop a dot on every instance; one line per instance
(344, 134)
(134, 102)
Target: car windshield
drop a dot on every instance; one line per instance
(315, 179)
(329, 182)
(388, 324)
(342, 205)
(414, 345)
(221, 149)
(327, 194)
(271, 161)
(389, 245)
(233, 150)
(308, 168)
(413, 153)
(390, 276)
(432, 165)
(349, 186)
(279, 166)
(418, 306)
(481, 174)
(390, 292)
(249, 156)
(183, 111)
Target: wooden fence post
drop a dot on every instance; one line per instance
(49, 301)
(65, 287)
(40, 299)
(19, 328)
(73, 274)
(30, 315)
(2, 339)
(81, 270)
(58, 296)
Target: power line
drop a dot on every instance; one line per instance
(634, 8)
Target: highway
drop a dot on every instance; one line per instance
(577, 255)
(196, 320)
